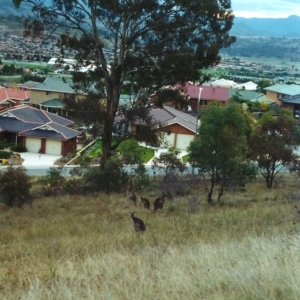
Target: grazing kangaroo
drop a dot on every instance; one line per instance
(131, 195)
(138, 224)
(145, 202)
(159, 202)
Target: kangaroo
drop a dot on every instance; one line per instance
(159, 202)
(138, 224)
(145, 202)
(131, 195)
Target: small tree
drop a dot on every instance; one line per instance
(221, 149)
(273, 144)
(170, 166)
(15, 187)
(130, 151)
(112, 178)
(54, 180)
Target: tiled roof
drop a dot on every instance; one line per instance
(29, 121)
(207, 93)
(286, 89)
(13, 94)
(245, 94)
(291, 99)
(55, 84)
(56, 102)
(167, 116)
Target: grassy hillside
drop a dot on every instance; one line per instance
(75, 247)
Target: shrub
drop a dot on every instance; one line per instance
(5, 154)
(15, 187)
(19, 148)
(112, 179)
(54, 181)
(3, 144)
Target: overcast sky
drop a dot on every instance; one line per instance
(265, 8)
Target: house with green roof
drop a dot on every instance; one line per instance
(278, 91)
(49, 94)
(250, 96)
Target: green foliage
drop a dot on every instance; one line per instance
(19, 148)
(5, 154)
(54, 180)
(15, 187)
(112, 178)
(172, 45)
(4, 144)
(169, 163)
(220, 152)
(273, 143)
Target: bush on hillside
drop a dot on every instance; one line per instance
(112, 179)
(15, 187)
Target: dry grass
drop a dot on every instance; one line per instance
(75, 247)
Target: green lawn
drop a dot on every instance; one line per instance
(185, 158)
(146, 153)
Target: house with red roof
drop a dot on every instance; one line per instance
(198, 95)
(13, 97)
(204, 95)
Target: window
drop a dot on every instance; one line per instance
(48, 93)
(203, 102)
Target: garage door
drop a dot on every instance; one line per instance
(183, 141)
(168, 140)
(33, 144)
(53, 147)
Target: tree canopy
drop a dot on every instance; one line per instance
(221, 150)
(273, 144)
(141, 44)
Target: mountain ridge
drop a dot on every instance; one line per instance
(275, 27)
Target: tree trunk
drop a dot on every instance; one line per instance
(113, 86)
(210, 191)
(106, 142)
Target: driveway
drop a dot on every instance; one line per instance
(36, 159)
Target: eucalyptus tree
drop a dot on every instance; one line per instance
(146, 43)
(274, 144)
(220, 153)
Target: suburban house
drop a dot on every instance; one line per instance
(278, 91)
(204, 95)
(248, 86)
(173, 128)
(53, 88)
(12, 97)
(38, 130)
(292, 103)
(250, 96)
(224, 83)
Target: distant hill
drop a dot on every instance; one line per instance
(283, 27)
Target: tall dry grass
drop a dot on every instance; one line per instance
(75, 247)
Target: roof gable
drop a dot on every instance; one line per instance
(29, 121)
(55, 84)
(167, 116)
